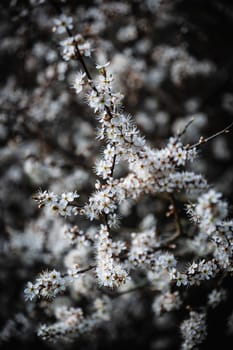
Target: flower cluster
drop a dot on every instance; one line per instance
(195, 273)
(102, 203)
(193, 330)
(166, 302)
(142, 246)
(109, 271)
(60, 204)
(51, 283)
(179, 64)
(47, 285)
(216, 297)
(69, 47)
(223, 241)
(77, 236)
(209, 209)
(210, 214)
(148, 171)
(71, 322)
(144, 252)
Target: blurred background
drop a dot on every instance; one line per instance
(173, 61)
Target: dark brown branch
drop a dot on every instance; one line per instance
(91, 267)
(113, 165)
(203, 140)
(182, 132)
(106, 221)
(82, 61)
(80, 58)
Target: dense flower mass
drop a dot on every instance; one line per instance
(47, 285)
(123, 224)
(110, 273)
(193, 330)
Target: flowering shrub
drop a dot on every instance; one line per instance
(127, 227)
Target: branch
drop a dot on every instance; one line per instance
(80, 59)
(86, 269)
(203, 140)
(90, 79)
(113, 164)
(182, 132)
(91, 267)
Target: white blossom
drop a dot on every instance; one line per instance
(62, 23)
(193, 330)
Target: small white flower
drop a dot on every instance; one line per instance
(69, 196)
(79, 82)
(181, 279)
(100, 66)
(31, 291)
(62, 23)
(216, 297)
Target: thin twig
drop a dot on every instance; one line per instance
(203, 140)
(182, 132)
(106, 221)
(113, 165)
(91, 267)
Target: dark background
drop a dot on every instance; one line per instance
(206, 29)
